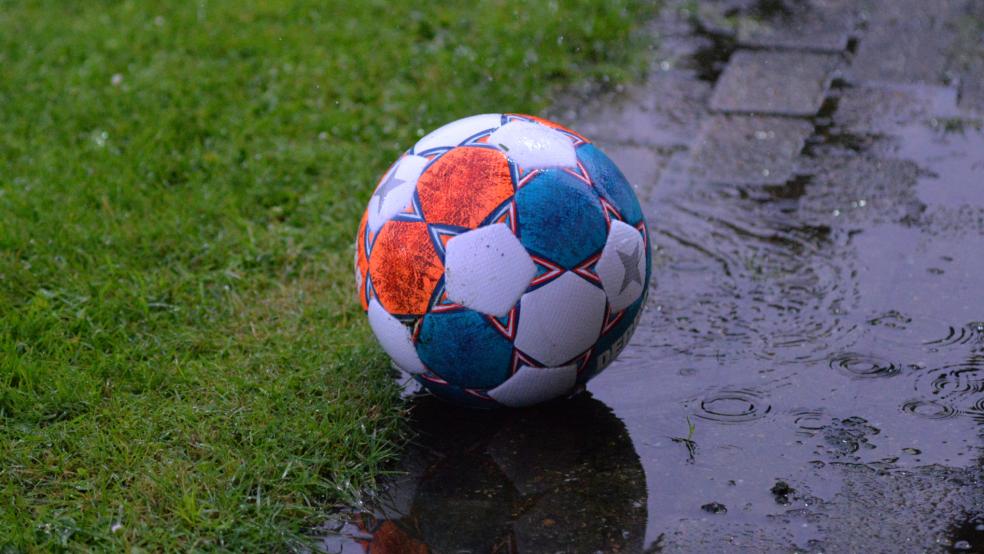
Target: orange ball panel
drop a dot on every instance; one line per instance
(464, 186)
(404, 267)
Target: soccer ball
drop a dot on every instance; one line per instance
(503, 260)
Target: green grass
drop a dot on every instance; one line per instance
(183, 364)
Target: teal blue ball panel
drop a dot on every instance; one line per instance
(463, 348)
(560, 218)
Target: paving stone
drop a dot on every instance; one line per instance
(859, 190)
(672, 20)
(908, 41)
(782, 83)
(912, 13)
(663, 112)
(821, 26)
(901, 54)
(717, 16)
(676, 178)
(641, 165)
(958, 221)
(679, 53)
(887, 108)
(967, 58)
(675, 36)
(677, 175)
(749, 150)
(972, 89)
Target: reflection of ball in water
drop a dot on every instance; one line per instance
(558, 479)
(503, 260)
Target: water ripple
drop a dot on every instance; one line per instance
(808, 421)
(864, 365)
(956, 380)
(733, 406)
(930, 409)
(782, 290)
(971, 333)
(976, 410)
(925, 333)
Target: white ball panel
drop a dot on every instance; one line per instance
(622, 266)
(534, 146)
(395, 190)
(532, 385)
(395, 339)
(560, 320)
(455, 132)
(487, 269)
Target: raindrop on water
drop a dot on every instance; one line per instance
(930, 409)
(863, 365)
(733, 406)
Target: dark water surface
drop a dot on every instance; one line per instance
(829, 334)
(808, 375)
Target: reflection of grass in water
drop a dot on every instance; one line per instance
(182, 362)
(688, 441)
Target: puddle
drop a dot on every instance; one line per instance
(559, 478)
(828, 334)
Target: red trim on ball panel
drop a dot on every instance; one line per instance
(526, 177)
(506, 213)
(553, 271)
(449, 307)
(432, 379)
(479, 394)
(611, 319)
(440, 302)
(582, 360)
(521, 358)
(610, 212)
(509, 329)
(581, 174)
(587, 269)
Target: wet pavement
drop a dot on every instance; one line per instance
(809, 373)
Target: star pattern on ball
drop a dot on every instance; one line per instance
(631, 264)
(392, 182)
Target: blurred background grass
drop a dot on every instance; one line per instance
(183, 364)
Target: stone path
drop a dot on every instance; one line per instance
(805, 166)
(782, 62)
